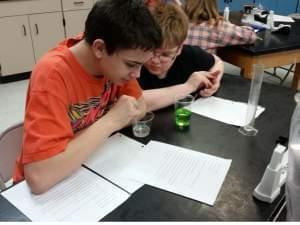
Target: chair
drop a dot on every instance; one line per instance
(288, 70)
(10, 146)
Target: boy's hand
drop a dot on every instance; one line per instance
(214, 78)
(199, 80)
(125, 110)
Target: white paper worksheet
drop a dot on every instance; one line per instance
(113, 157)
(83, 197)
(186, 172)
(226, 111)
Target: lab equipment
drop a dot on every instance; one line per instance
(256, 83)
(270, 19)
(226, 13)
(293, 177)
(274, 176)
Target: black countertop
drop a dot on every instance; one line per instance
(250, 156)
(272, 42)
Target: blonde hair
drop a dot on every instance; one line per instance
(173, 22)
(199, 11)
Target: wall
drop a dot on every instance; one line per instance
(282, 7)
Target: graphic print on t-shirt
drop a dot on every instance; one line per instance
(85, 113)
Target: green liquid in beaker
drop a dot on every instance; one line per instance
(182, 118)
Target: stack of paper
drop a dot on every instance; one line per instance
(116, 170)
(185, 172)
(82, 197)
(226, 111)
(115, 156)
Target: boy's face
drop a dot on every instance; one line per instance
(123, 65)
(162, 60)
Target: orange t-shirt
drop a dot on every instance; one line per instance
(62, 99)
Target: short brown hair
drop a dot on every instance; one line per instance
(173, 22)
(199, 11)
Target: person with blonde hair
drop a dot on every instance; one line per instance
(151, 4)
(176, 68)
(208, 29)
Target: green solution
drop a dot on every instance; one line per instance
(182, 118)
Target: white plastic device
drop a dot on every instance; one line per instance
(274, 177)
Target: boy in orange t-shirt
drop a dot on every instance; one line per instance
(84, 90)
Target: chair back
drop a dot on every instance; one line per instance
(10, 146)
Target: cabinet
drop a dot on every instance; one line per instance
(75, 13)
(16, 52)
(46, 31)
(28, 30)
(74, 21)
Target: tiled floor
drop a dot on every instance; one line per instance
(13, 94)
(12, 103)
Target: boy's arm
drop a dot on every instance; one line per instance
(44, 174)
(218, 70)
(162, 97)
(218, 66)
(142, 106)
